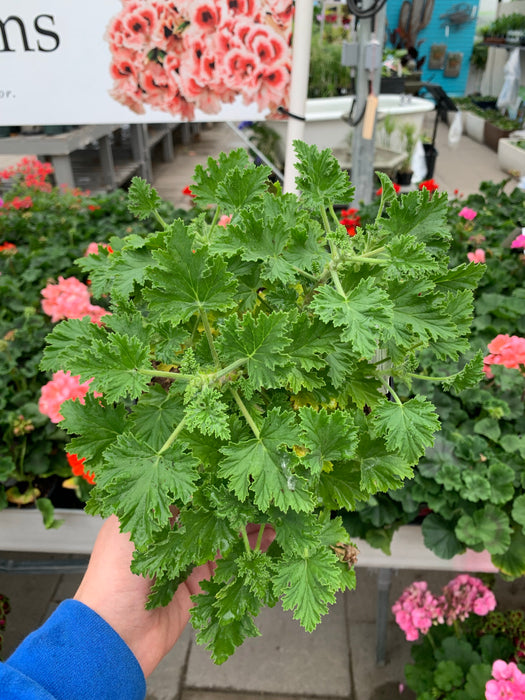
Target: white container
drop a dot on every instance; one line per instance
(408, 551)
(511, 157)
(22, 530)
(474, 126)
(326, 126)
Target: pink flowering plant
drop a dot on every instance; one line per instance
(467, 649)
(43, 229)
(469, 488)
(241, 384)
(201, 54)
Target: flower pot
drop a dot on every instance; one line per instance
(474, 126)
(22, 531)
(492, 134)
(408, 551)
(404, 178)
(511, 157)
(392, 85)
(430, 159)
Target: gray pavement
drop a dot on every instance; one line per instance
(336, 661)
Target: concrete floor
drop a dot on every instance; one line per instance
(338, 659)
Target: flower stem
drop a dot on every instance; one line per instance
(169, 442)
(245, 413)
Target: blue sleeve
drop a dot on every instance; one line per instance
(75, 655)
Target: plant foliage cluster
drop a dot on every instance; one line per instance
(40, 242)
(246, 377)
(473, 478)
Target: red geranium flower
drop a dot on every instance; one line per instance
(188, 191)
(78, 469)
(8, 248)
(429, 185)
(397, 189)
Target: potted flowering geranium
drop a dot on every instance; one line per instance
(43, 230)
(468, 650)
(244, 376)
(468, 490)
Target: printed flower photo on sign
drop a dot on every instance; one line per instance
(200, 54)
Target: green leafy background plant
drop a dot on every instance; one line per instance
(473, 478)
(49, 236)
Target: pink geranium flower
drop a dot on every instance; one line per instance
(468, 214)
(478, 256)
(62, 387)
(70, 298)
(508, 682)
(224, 220)
(518, 242)
(506, 350)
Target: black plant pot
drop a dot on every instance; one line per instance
(430, 159)
(404, 178)
(392, 86)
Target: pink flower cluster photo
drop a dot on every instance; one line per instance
(200, 54)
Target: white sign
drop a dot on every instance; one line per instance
(111, 62)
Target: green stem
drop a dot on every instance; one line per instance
(168, 375)
(334, 215)
(391, 391)
(259, 538)
(337, 282)
(457, 629)
(215, 218)
(160, 219)
(229, 368)
(304, 273)
(381, 206)
(245, 413)
(169, 442)
(431, 640)
(245, 539)
(209, 335)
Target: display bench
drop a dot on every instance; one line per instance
(99, 157)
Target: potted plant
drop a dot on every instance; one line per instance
(404, 173)
(44, 229)
(473, 474)
(240, 383)
(511, 155)
(468, 648)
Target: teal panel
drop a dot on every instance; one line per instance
(447, 26)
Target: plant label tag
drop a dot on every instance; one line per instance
(369, 119)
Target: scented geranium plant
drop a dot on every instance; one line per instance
(245, 378)
(43, 229)
(469, 488)
(467, 649)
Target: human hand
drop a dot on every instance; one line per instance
(119, 596)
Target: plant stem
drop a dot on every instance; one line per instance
(168, 375)
(229, 368)
(431, 640)
(245, 413)
(245, 539)
(391, 391)
(160, 219)
(169, 442)
(304, 273)
(334, 215)
(259, 537)
(209, 335)
(215, 218)
(337, 282)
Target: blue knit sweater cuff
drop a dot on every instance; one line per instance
(76, 655)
